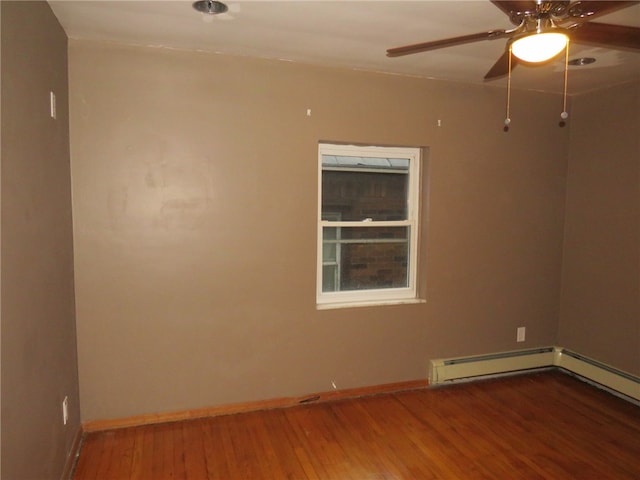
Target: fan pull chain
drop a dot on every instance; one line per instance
(564, 115)
(507, 119)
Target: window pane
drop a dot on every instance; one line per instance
(329, 253)
(329, 278)
(370, 258)
(365, 188)
(329, 245)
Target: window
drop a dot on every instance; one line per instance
(367, 224)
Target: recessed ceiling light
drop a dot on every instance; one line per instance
(211, 7)
(580, 62)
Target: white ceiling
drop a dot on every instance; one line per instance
(347, 33)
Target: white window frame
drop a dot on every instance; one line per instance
(383, 295)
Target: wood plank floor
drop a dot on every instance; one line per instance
(545, 425)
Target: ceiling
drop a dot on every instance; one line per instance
(348, 33)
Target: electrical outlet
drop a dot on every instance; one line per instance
(65, 410)
(520, 334)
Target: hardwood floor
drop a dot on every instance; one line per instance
(545, 425)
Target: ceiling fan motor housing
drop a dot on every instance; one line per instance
(556, 10)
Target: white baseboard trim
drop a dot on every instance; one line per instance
(451, 369)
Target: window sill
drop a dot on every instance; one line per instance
(369, 303)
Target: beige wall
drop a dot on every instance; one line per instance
(39, 365)
(194, 182)
(195, 192)
(600, 314)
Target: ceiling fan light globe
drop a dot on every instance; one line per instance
(539, 47)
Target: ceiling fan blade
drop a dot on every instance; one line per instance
(619, 36)
(592, 8)
(447, 42)
(501, 67)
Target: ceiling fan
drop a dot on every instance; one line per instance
(542, 31)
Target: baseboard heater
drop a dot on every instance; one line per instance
(452, 369)
(594, 371)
